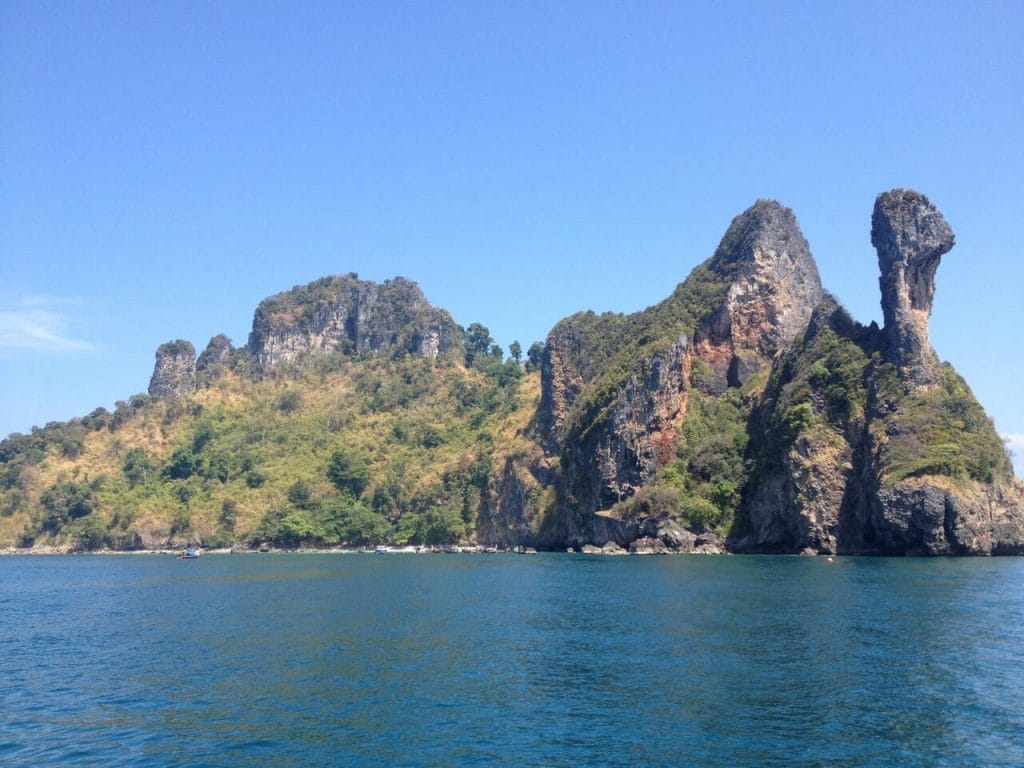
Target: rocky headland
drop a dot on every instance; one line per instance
(747, 412)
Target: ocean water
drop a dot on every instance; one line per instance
(547, 660)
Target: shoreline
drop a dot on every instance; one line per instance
(50, 551)
(176, 551)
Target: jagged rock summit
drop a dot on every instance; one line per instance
(343, 314)
(751, 405)
(911, 236)
(721, 328)
(216, 354)
(774, 286)
(337, 315)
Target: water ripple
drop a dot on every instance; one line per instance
(548, 660)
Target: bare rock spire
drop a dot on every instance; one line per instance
(911, 237)
(175, 371)
(774, 289)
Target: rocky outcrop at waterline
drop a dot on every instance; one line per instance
(864, 441)
(750, 403)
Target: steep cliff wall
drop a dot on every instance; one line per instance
(345, 315)
(911, 237)
(774, 287)
(174, 373)
(864, 441)
(615, 388)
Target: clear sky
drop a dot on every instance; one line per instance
(164, 165)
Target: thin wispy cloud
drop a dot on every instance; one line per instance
(48, 301)
(36, 324)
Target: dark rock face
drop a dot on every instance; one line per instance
(622, 453)
(349, 316)
(931, 516)
(175, 371)
(214, 359)
(911, 236)
(215, 354)
(511, 508)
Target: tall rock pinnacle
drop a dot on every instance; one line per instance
(175, 371)
(911, 237)
(774, 288)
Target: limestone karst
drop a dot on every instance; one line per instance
(910, 236)
(746, 412)
(175, 370)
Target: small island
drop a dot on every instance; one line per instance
(747, 412)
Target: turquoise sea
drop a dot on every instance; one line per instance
(505, 660)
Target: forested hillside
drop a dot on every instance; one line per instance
(351, 452)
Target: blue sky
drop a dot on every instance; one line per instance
(164, 166)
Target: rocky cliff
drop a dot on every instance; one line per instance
(750, 404)
(345, 315)
(911, 237)
(864, 442)
(175, 371)
(615, 389)
(773, 288)
(938, 479)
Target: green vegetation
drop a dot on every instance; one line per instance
(377, 451)
(824, 381)
(711, 456)
(349, 471)
(534, 355)
(63, 502)
(610, 348)
(939, 431)
(835, 381)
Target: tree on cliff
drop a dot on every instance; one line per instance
(478, 341)
(533, 355)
